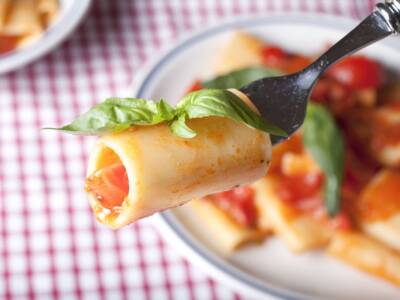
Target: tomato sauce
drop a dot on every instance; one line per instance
(303, 192)
(238, 204)
(7, 43)
(294, 189)
(109, 185)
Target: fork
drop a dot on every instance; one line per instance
(283, 100)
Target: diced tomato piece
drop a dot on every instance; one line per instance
(294, 189)
(7, 43)
(195, 86)
(110, 185)
(274, 57)
(239, 204)
(341, 221)
(297, 63)
(358, 72)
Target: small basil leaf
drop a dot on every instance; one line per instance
(115, 114)
(165, 112)
(332, 194)
(215, 102)
(323, 140)
(179, 128)
(240, 78)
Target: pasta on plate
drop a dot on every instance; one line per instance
(290, 201)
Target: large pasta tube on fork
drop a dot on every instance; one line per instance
(165, 171)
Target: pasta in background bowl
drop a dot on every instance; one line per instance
(31, 28)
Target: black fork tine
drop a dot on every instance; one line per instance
(280, 100)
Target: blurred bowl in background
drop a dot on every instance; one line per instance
(70, 15)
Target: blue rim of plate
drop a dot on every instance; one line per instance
(50, 39)
(167, 217)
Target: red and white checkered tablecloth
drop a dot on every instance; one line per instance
(50, 245)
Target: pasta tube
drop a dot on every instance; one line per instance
(229, 234)
(300, 232)
(165, 171)
(366, 254)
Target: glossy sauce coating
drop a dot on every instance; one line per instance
(238, 204)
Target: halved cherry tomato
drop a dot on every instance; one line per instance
(358, 72)
(195, 86)
(7, 43)
(274, 57)
(239, 204)
(109, 185)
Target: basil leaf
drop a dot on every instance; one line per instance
(222, 103)
(180, 128)
(117, 114)
(165, 112)
(323, 140)
(240, 78)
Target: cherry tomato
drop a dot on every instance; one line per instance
(358, 72)
(109, 185)
(274, 57)
(239, 204)
(7, 43)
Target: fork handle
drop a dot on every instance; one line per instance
(390, 11)
(384, 21)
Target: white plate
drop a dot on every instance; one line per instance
(270, 270)
(71, 13)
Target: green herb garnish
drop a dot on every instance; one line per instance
(117, 114)
(323, 139)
